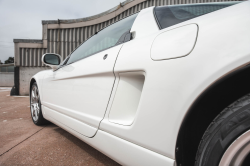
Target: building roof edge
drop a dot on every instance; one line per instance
(69, 21)
(27, 41)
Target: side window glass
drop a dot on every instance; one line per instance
(167, 16)
(106, 38)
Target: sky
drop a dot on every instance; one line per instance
(22, 19)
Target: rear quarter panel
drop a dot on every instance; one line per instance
(171, 86)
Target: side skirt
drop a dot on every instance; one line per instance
(120, 150)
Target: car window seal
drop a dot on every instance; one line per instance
(156, 19)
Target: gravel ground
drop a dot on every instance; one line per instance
(23, 143)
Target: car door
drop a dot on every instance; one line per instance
(77, 94)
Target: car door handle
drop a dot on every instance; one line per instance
(105, 56)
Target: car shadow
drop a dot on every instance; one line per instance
(85, 147)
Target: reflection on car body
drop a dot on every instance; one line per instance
(145, 89)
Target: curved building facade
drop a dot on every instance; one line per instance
(63, 36)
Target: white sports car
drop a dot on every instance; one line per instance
(166, 86)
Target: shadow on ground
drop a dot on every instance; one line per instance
(23, 143)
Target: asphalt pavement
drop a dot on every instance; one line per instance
(23, 143)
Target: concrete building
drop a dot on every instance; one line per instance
(6, 75)
(63, 36)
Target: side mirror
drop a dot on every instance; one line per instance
(52, 60)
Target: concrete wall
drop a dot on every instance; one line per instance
(25, 75)
(7, 79)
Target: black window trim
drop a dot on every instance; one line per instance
(156, 19)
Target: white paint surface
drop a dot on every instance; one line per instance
(170, 88)
(81, 91)
(127, 98)
(144, 24)
(174, 43)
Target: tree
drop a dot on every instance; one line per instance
(10, 60)
(1, 62)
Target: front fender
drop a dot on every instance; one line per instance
(38, 78)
